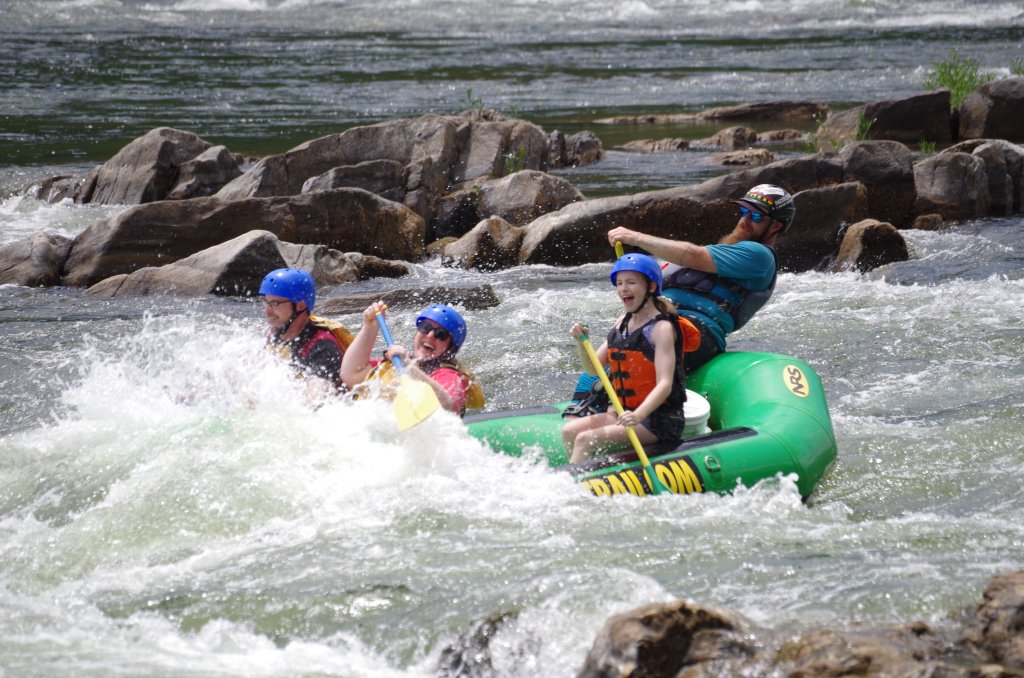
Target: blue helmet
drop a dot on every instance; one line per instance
(448, 318)
(292, 284)
(641, 263)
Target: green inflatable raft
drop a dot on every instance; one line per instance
(757, 415)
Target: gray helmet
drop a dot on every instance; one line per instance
(772, 200)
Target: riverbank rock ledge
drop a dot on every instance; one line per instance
(237, 267)
(474, 187)
(684, 640)
(994, 111)
(162, 163)
(345, 219)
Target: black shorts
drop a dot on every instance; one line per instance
(667, 424)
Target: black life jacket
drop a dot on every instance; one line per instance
(631, 359)
(733, 299)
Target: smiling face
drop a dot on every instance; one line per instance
(277, 310)
(632, 288)
(426, 346)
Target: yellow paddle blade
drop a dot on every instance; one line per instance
(414, 402)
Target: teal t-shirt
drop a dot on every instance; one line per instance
(750, 264)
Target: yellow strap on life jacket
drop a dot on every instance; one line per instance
(385, 372)
(343, 336)
(474, 391)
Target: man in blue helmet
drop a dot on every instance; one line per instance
(440, 333)
(720, 287)
(315, 345)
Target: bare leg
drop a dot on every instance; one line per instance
(574, 427)
(602, 439)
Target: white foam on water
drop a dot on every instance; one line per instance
(22, 217)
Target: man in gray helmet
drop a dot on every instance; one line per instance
(720, 287)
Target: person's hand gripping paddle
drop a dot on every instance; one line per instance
(656, 486)
(414, 400)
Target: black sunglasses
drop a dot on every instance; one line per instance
(755, 216)
(425, 327)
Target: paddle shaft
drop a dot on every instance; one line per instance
(415, 399)
(387, 339)
(656, 485)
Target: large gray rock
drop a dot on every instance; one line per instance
(575, 150)
(425, 146)
(517, 198)
(386, 178)
(473, 298)
(684, 640)
(821, 215)
(652, 641)
(578, 232)
(455, 213)
(953, 185)
(234, 268)
(886, 168)
(910, 120)
(34, 261)
(994, 111)
(345, 219)
(522, 197)
(994, 630)
(237, 267)
(869, 244)
(1004, 164)
(144, 170)
(438, 155)
(701, 214)
(491, 245)
(205, 174)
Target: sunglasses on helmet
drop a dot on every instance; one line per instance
(426, 327)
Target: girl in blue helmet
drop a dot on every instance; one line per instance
(440, 333)
(644, 351)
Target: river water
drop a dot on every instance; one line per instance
(170, 506)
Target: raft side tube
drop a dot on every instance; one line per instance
(510, 432)
(782, 398)
(681, 469)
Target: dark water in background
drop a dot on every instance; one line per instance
(82, 78)
(168, 506)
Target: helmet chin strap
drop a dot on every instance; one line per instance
(295, 314)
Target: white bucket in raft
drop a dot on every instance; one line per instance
(697, 409)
